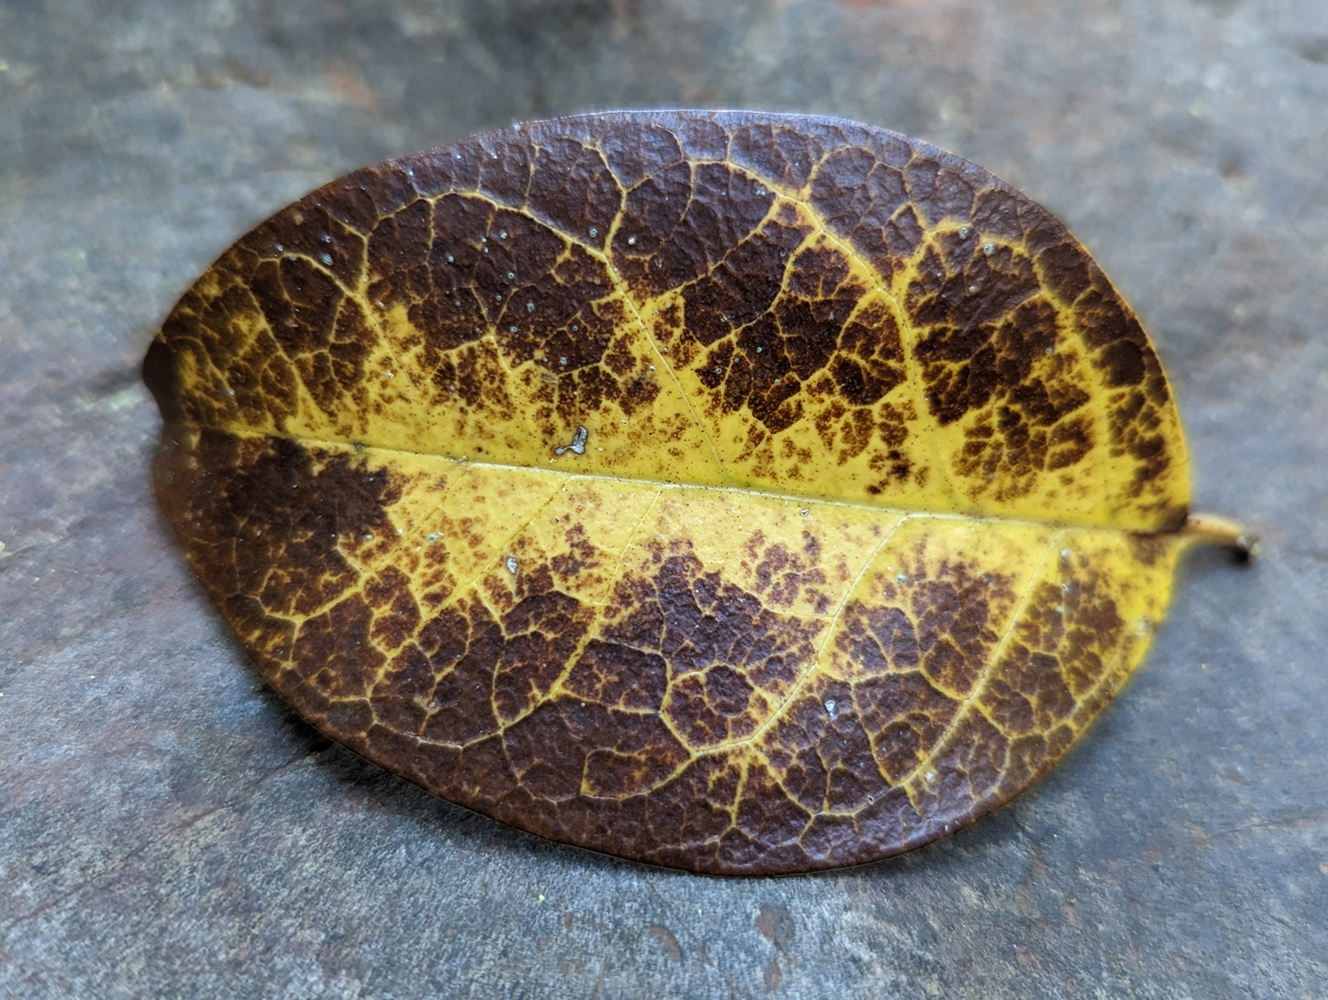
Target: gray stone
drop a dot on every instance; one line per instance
(168, 827)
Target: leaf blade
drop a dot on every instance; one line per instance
(788, 421)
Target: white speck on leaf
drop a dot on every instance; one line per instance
(578, 445)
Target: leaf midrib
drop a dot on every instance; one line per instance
(803, 500)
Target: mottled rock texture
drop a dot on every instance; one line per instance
(167, 826)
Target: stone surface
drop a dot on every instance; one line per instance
(168, 827)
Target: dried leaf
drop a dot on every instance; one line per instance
(736, 492)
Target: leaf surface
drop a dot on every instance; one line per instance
(742, 493)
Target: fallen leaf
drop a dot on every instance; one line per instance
(742, 493)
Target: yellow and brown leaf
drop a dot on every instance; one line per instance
(742, 493)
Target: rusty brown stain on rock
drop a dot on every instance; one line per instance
(668, 939)
(776, 925)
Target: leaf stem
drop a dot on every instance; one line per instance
(1210, 529)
